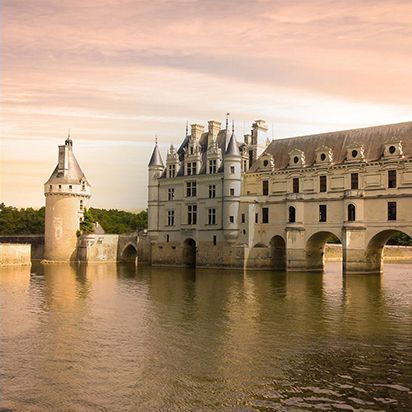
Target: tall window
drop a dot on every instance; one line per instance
(212, 166)
(172, 170)
(232, 191)
(351, 213)
(231, 219)
(212, 216)
(191, 189)
(391, 178)
(292, 214)
(191, 168)
(322, 213)
(265, 187)
(354, 181)
(243, 218)
(323, 184)
(170, 218)
(171, 193)
(232, 169)
(391, 210)
(295, 185)
(191, 214)
(212, 191)
(256, 217)
(265, 215)
(214, 240)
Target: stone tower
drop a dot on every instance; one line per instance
(67, 192)
(231, 190)
(155, 170)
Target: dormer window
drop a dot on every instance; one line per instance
(191, 168)
(266, 162)
(324, 155)
(171, 170)
(393, 149)
(191, 150)
(296, 158)
(212, 166)
(355, 153)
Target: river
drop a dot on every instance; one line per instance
(112, 337)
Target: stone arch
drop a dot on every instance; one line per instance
(278, 253)
(189, 253)
(315, 248)
(374, 249)
(129, 253)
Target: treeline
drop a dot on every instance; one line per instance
(29, 221)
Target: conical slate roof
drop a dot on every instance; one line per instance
(156, 159)
(72, 175)
(232, 147)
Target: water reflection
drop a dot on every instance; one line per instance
(117, 337)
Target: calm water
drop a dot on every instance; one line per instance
(113, 338)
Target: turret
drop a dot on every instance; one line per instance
(155, 170)
(231, 189)
(67, 192)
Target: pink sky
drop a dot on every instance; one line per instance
(117, 72)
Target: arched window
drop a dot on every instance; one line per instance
(351, 213)
(292, 214)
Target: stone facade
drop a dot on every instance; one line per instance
(219, 203)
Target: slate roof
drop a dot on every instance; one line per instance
(232, 147)
(372, 138)
(73, 175)
(156, 159)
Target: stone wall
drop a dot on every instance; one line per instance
(15, 254)
(394, 254)
(36, 242)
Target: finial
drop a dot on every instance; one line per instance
(233, 127)
(227, 121)
(187, 127)
(156, 139)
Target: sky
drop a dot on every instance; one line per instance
(118, 72)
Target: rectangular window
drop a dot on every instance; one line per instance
(170, 218)
(172, 170)
(232, 191)
(391, 178)
(191, 168)
(354, 181)
(322, 213)
(231, 219)
(214, 240)
(265, 187)
(323, 184)
(212, 191)
(256, 217)
(212, 216)
(391, 210)
(232, 169)
(171, 193)
(265, 215)
(212, 166)
(295, 185)
(243, 218)
(192, 214)
(191, 189)
(70, 187)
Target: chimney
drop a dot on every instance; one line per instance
(213, 131)
(197, 130)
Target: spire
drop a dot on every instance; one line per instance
(232, 147)
(68, 141)
(187, 128)
(227, 122)
(156, 159)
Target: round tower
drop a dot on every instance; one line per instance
(155, 170)
(67, 192)
(231, 190)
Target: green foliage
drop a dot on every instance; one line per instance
(30, 221)
(87, 224)
(119, 221)
(15, 221)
